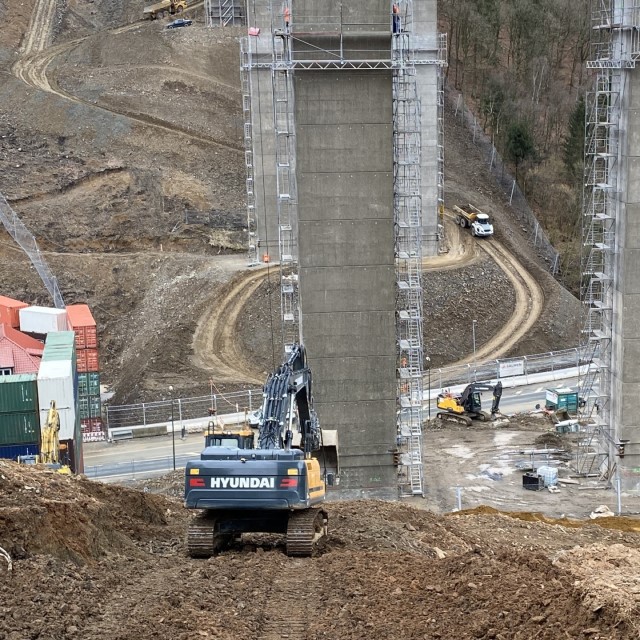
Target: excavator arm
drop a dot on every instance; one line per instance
(288, 387)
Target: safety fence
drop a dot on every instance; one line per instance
(517, 200)
(221, 404)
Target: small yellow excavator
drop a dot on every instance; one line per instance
(467, 406)
(49, 441)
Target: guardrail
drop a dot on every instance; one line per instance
(184, 409)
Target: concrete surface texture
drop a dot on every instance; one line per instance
(625, 383)
(347, 274)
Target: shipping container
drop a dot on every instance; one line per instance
(60, 338)
(9, 311)
(19, 393)
(56, 380)
(42, 320)
(83, 407)
(87, 360)
(12, 452)
(80, 320)
(94, 407)
(94, 383)
(19, 428)
(83, 384)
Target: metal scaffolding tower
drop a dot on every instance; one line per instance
(407, 204)
(245, 81)
(220, 13)
(615, 50)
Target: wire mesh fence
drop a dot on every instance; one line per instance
(517, 200)
(27, 242)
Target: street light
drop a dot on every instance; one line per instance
(475, 363)
(173, 431)
(427, 359)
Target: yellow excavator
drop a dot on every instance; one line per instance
(49, 441)
(467, 406)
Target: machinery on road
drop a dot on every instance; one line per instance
(469, 216)
(164, 8)
(274, 487)
(467, 406)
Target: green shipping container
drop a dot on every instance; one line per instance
(19, 428)
(83, 384)
(94, 407)
(18, 393)
(67, 338)
(94, 384)
(83, 407)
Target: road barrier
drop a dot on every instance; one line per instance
(230, 404)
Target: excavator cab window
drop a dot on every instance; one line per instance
(229, 440)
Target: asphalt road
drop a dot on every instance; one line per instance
(146, 457)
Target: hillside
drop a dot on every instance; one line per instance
(93, 561)
(120, 148)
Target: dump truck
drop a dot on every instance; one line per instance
(164, 8)
(469, 216)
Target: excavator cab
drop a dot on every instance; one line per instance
(243, 439)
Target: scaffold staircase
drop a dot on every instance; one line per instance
(407, 204)
(614, 49)
(285, 149)
(245, 81)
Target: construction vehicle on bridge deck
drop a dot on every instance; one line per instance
(274, 487)
(467, 406)
(469, 216)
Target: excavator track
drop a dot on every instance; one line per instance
(455, 417)
(202, 540)
(304, 529)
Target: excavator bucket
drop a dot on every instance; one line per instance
(327, 455)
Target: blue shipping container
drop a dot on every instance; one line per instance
(11, 452)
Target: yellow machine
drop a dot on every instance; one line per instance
(164, 8)
(49, 443)
(467, 406)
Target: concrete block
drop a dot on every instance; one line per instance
(632, 194)
(362, 97)
(349, 379)
(345, 196)
(630, 315)
(337, 244)
(631, 268)
(336, 289)
(358, 421)
(631, 237)
(332, 335)
(631, 362)
(345, 148)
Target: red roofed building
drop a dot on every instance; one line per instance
(18, 353)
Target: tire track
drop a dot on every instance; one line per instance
(529, 304)
(214, 346)
(32, 70)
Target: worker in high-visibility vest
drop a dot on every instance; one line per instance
(287, 17)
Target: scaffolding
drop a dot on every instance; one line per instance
(220, 13)
(296, 52)
(614, 51)
(245, 82)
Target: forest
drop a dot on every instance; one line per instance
(520, 65)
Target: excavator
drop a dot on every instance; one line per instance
(467, 406)
(274, 487)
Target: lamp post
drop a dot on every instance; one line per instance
(173, 431)
(427, 359)
(475, 363)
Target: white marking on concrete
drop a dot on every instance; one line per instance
(460, 451)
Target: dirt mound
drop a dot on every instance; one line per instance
(68, 517)
(385, 570)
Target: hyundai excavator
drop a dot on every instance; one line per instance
(276, 487)
(467, 406)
